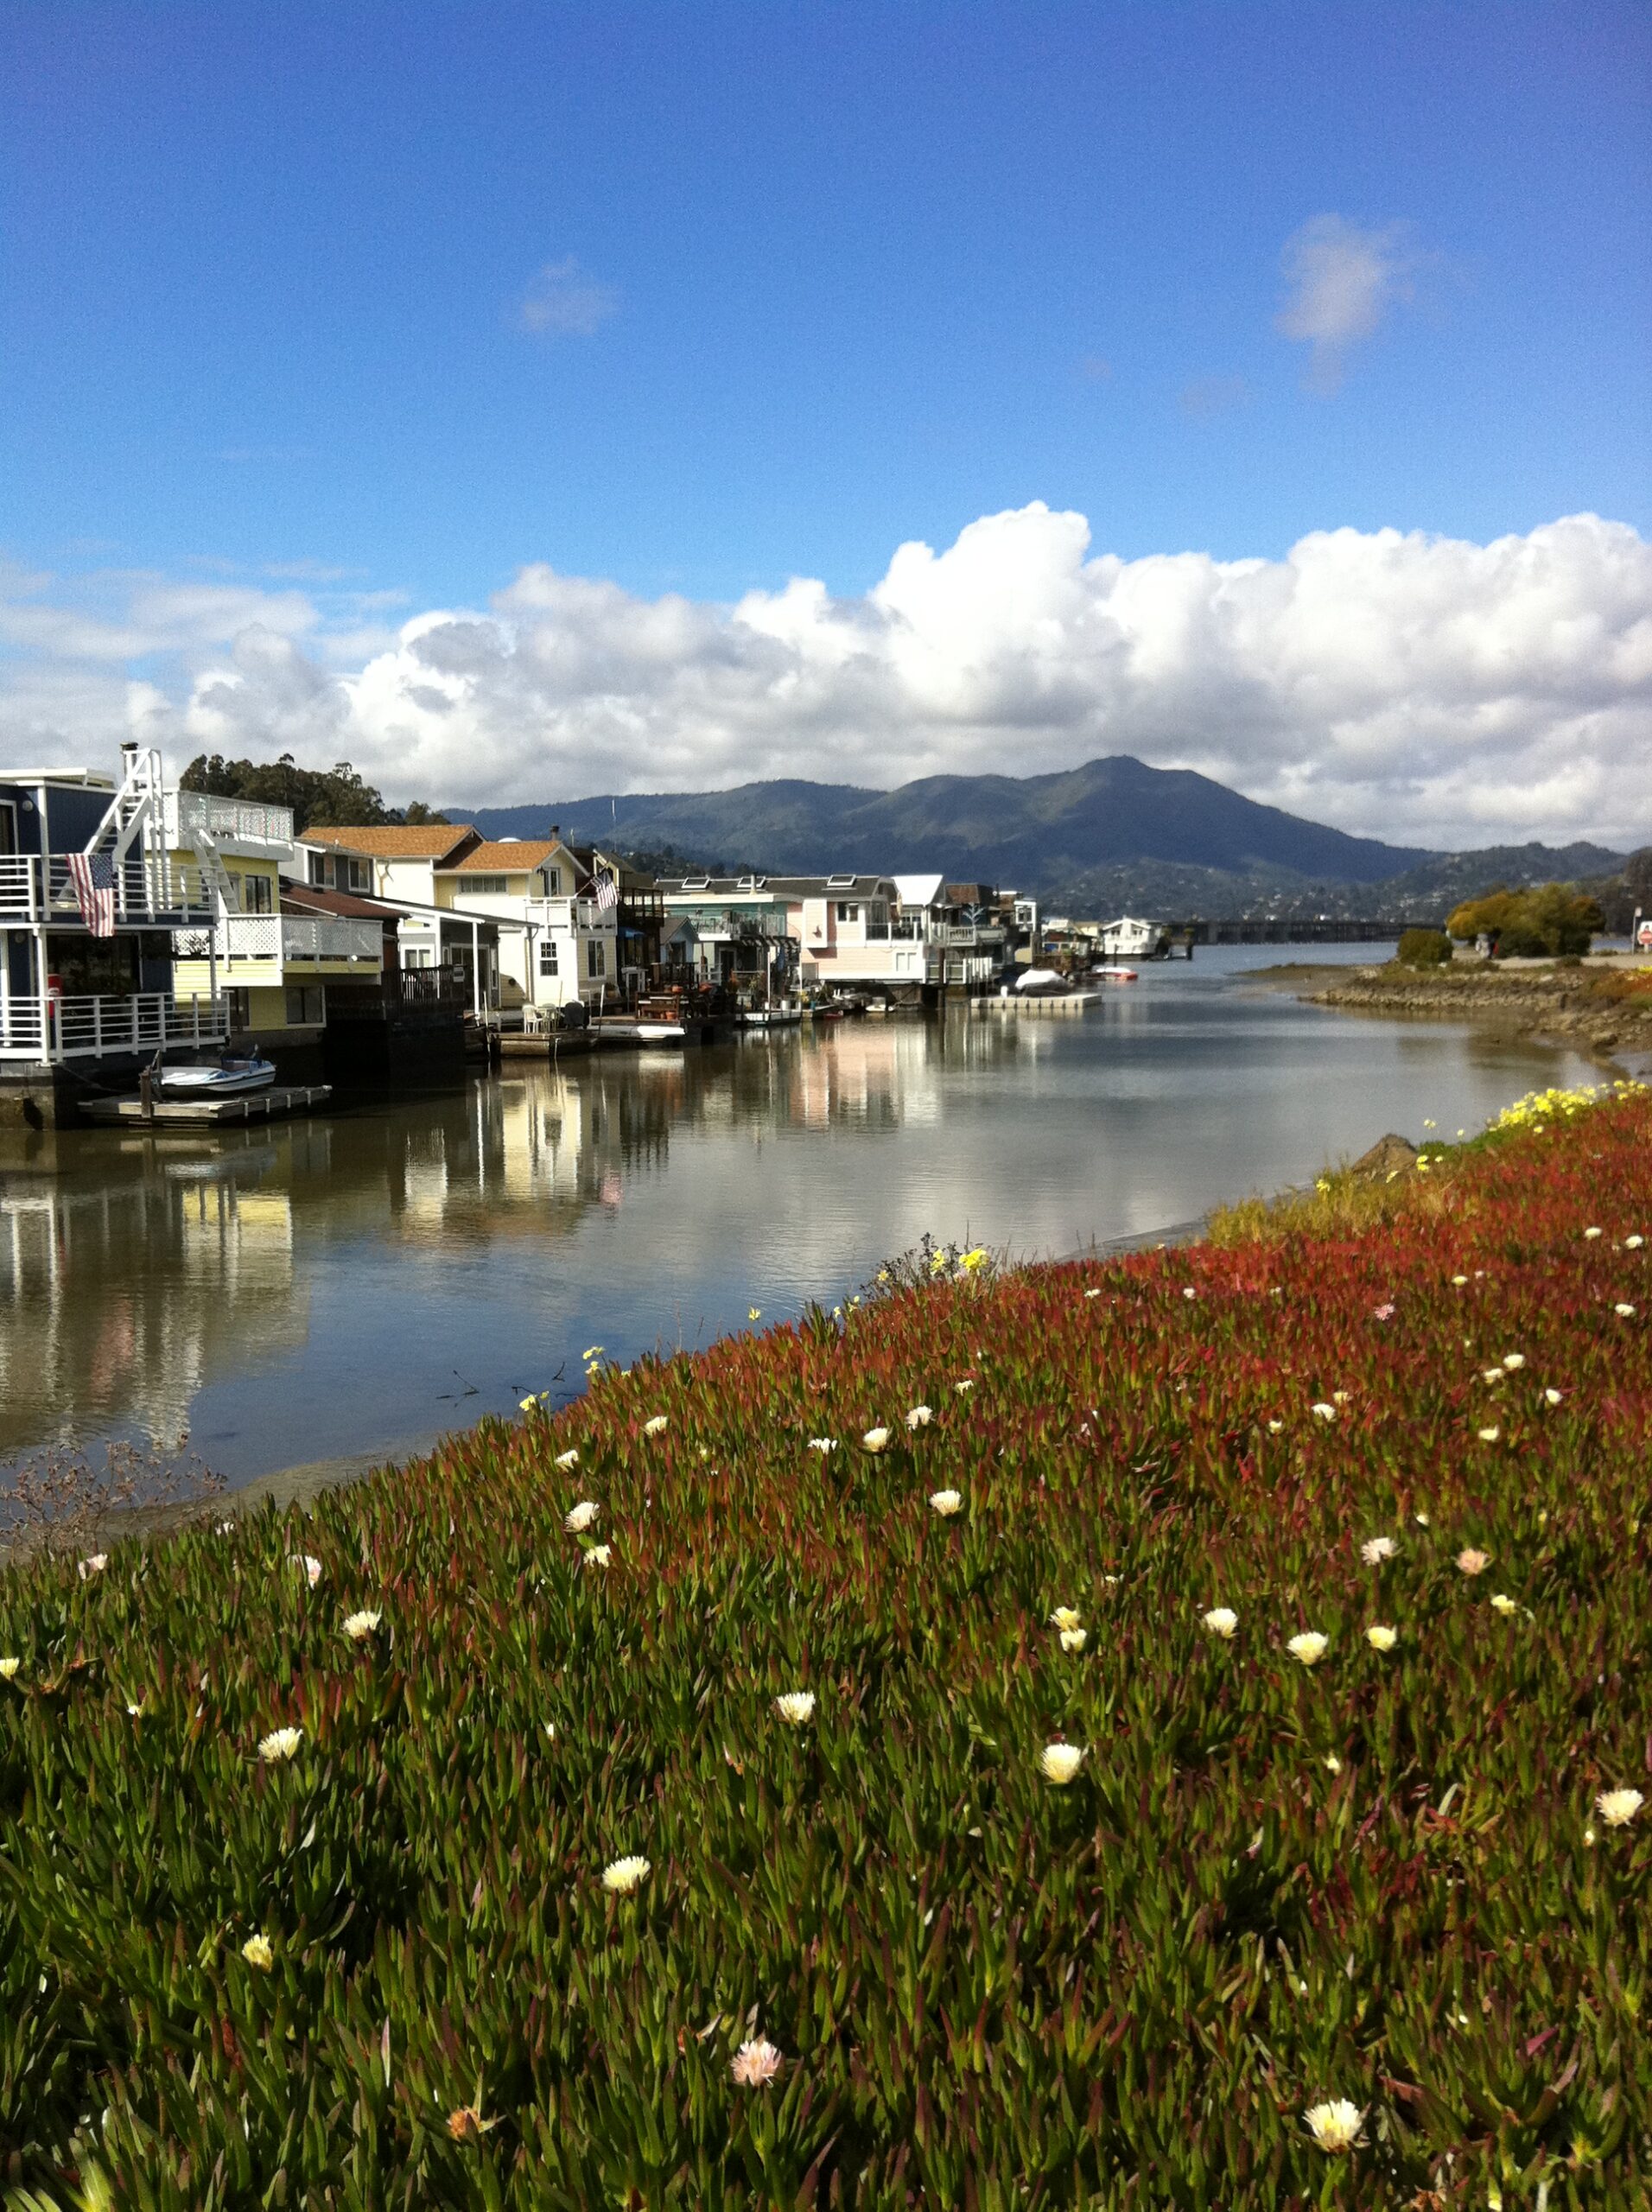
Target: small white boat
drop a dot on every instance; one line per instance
(1114, 975)
(218, 1078)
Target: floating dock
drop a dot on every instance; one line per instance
(271, 1105)
(1029, 1002)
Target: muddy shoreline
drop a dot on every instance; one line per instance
(1543, 1005)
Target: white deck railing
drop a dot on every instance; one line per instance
(283, 940)
(146, 890)
(47, 1028)
(232, 820)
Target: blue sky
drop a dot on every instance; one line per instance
(380, 304)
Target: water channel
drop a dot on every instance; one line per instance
(363, 1280)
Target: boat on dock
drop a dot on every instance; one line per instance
(227, 1077)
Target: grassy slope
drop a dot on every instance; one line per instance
(988, 1991)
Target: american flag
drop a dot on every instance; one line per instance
(92, 875)
(607, 893)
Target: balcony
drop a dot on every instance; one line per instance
(149, 894)
(241, 822)
(42, 1028)
(269, 943)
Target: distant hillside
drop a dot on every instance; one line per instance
(1112, 833)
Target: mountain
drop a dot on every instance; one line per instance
(1114, 832)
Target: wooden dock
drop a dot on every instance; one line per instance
(271, 1105)
(1028, 1003)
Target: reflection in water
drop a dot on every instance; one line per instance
(362, 1281)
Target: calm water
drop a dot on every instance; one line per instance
(361, 1283)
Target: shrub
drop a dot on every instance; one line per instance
(1424, 949)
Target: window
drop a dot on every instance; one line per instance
(306, 1005)
(848, 913)
(256, 893)
(547, 956)
(596, 958)
(357, 876)
(484, 886)
(316, 866)
(238, 1006)
(553, 877)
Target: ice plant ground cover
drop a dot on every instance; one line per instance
(547, 1863)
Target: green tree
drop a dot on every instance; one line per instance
(1555, 921)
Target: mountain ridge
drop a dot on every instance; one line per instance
(1113, 822)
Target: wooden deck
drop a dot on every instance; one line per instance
(271, 1105)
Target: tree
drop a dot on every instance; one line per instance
(1555, 921)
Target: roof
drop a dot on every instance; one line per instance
(393, 840)
(774, 886)
(311, 899)
(918, 890)
(511, 855)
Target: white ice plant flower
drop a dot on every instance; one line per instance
(1512, 1360)
(599, 1555)
(358, 1626)
(1335, 2125)
(796, 1707)
(1590, 1234)
(1381, 1638)
(622, 1876)
(1551, 1398)
(1377, 1549)
(1322, 1411)
(280, 1744)
(1502, 1602)
(1624, 1312)
(564, 1460)
(93, 1564)
(1065, 1616)
(946, 1502)
(1309, 1647)
(8, 1670)
(875, 1439)
(308, 1568)
(1618, 1807)
(1222, 1621)
(1072, 1639)
(579, 1517)
(919, 1417)
(1058, 1763)
(823, 1444)
(654, 1424)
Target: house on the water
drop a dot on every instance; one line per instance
(90, 906)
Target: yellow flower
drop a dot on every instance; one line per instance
(1551, 1398)
(591, 1351)
(358, 1626)
(8, 1670)
(1382, 1639)
(1064, 1617)
(1501, 1604)
(1309, 1647)
(1060, 1763)
(754, 1312)
(257, 1952)
(1592, 1233)
(970, 1260)
(1488, 1435)
(963, 1387)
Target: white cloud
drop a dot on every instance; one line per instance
(1340, 282)
(563, 303)
(1426, 690)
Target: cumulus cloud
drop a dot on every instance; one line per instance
(563, 303)
(1340, 283)
(1424, 688)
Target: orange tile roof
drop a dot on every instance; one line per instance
(395, 840)
(508, 856)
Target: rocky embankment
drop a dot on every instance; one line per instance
(1567, 1002)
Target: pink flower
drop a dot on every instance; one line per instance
(1383, 1312)
(755, 2064)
